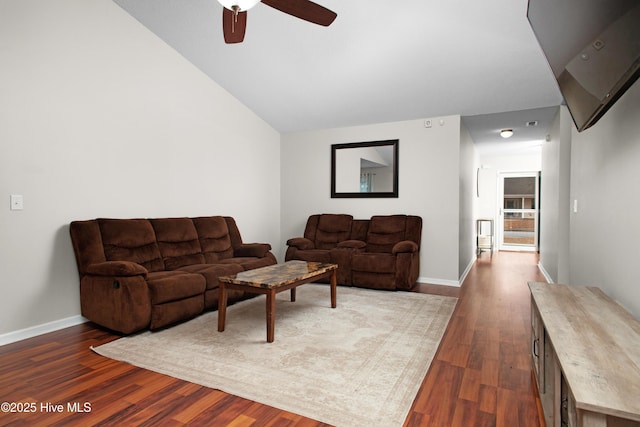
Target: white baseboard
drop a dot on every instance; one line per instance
(544, 273)
(33, 331)
(445, 282)
(467, 270)
(433, 281)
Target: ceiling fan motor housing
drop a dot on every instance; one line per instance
(241, 4)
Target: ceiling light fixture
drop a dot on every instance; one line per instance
(240, 5)
(506, 133)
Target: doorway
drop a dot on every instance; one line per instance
(518, 210)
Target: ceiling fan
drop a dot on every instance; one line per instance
(234, 14)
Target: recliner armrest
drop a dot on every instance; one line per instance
(258, 250)
(352, 244)
(405, 246)
(117, 268)
(301, 243)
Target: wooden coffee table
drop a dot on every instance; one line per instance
(271, 280)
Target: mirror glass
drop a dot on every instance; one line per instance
(365, 169)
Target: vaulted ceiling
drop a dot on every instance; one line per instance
(380, 61)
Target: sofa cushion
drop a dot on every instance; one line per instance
(332, 228)
(314, 255)
(250, 263)
(211, 272)
(178, 242)
(165, 286)
(359, 229)
(214, 238)
(385, 232)
(131, 240)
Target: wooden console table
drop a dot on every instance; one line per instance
(586, 357)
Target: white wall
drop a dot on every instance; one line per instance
(555, 203)
(469, 162)
(605, 177)
(98, 117)
(429, 179)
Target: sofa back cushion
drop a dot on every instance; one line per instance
(131, 240)
(387, 230)
(359, 229)
(214, 238)
(332, 229)
(178, 242)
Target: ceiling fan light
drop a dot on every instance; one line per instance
(244, 5)
(506, 133)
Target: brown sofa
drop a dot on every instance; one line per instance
(379, 253)
(150, 273)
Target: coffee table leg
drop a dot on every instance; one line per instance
(222, 306)
(293, 294)
(334, 282)
(271, 314)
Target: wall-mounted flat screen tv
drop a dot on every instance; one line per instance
(593, 48)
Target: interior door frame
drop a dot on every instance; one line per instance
(500, 213)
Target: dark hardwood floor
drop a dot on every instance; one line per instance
(480, 376)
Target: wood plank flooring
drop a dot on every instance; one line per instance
(480, 376)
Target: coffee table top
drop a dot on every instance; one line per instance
(277, 275)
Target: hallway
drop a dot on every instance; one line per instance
(481, 375)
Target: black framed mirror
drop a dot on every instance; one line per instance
(365, 169)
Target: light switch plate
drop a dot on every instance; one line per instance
(17, 202)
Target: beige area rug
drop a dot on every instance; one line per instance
(360, 364)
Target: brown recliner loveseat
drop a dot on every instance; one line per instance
(382, 252)
(150, 273)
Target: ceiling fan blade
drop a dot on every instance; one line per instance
(304, 9)
(233, 25)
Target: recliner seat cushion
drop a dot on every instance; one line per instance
(250, 263)
(211, 272)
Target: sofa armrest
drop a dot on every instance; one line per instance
(119, 303)
(301, 243)
(405, 246)
(258, 250)
(117, 268)
(352, 244)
